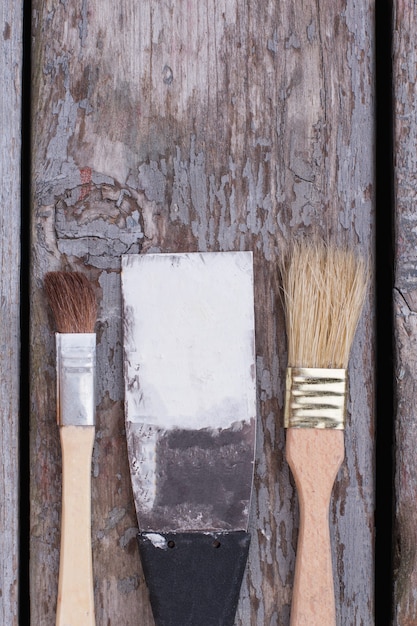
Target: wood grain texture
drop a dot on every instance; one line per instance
(171, 127)
(75, 603)
(405, 312)
(314, 456)
(10, 143)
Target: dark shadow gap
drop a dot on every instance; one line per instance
(384, 315)
(24, 459)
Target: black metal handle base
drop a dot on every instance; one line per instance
(194, 579)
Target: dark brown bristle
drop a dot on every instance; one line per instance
(72, 300)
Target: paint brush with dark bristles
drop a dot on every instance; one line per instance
(324, 290)
(73, 304)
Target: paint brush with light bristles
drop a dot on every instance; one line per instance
(73, 304)
(324, 290)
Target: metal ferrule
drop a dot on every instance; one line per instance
(315, 398)
(75, 363)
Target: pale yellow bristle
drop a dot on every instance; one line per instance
(324, 290)
(72, 300)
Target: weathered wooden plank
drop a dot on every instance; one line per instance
(405, 312)
(10, 142)
(175, 126)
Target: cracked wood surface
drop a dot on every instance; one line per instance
(10, 140)
(405, 313)
(172, 127)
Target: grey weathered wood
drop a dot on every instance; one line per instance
(405, 312)
(166, 127)
(10, 143)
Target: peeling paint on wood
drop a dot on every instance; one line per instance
(209, 126)
(405, 313)
(10, 121)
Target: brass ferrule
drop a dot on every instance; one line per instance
(315, 398)
(75, 365)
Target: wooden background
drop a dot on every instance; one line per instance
(184, 126)
(212, 125)
(405, 312)
(10, 143)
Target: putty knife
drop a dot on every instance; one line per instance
(190, 407)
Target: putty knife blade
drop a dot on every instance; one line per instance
(190, 392)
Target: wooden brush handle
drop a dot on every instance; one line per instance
(75, 588)
(315, 457)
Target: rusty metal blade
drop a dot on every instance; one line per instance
(190, 401)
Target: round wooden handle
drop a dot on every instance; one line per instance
(315, 457)
(75, 588)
